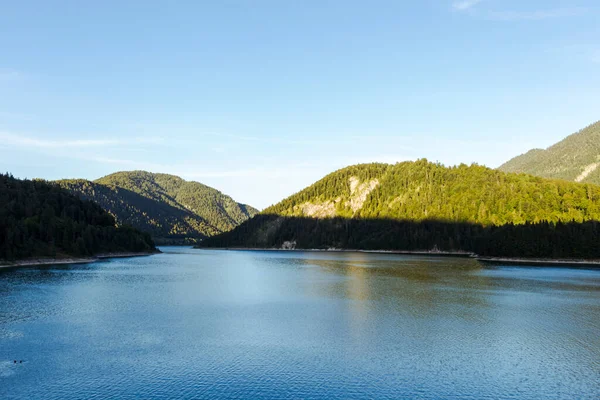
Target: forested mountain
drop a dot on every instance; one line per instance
(40, 219)
(166, 206)
(422, 190)
(576, 158)
(423, 206)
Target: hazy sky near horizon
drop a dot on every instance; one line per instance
(259, 98)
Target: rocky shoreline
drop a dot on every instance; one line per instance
(67, 261)
(489, 260)
(539, 262)
(332, 250)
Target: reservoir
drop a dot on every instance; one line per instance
(210, 324)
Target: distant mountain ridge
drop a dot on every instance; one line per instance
(576, 158)
(426, 206)
(166, 206)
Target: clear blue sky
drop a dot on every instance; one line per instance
(261, 98)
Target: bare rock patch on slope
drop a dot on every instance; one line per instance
(326, 209)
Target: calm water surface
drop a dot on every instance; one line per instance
(259, 325)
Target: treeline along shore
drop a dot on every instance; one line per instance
(543, 240)
(40, 220)
(411, 207)
(422, 206)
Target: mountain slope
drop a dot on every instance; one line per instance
(422, 205)
(576, 158)
(164, 205)
(421, 190)
(38, 219)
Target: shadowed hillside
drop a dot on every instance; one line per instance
(541, 240)
(166, 206)
(424, 206)
(40, 219)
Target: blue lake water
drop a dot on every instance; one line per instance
(291, 325)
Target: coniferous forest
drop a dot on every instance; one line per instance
(172, 210)
(410, 206)
(40, 219)
(575, 158)
(423, 206)
(530, 240)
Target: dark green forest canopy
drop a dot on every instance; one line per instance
(576, 158)
(423, 190)
(40, 219)
(164, 205)
(422, 205)
(534, 240)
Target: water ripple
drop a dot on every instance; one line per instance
(193, 324)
